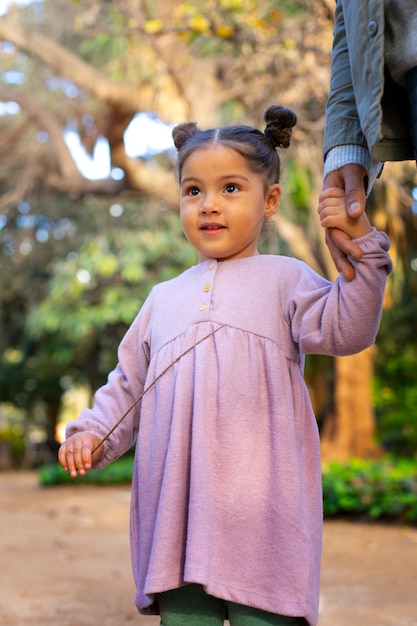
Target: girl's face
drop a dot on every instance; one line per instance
(223, 203)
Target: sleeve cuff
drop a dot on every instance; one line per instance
(351, 153)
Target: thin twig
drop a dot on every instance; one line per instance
(132, 406)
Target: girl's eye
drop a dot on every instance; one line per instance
(231, 188)
(193, 191)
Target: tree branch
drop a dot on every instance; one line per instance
(127, 98)
(64, 174)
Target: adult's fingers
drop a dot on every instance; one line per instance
(340, 259)
(355, 178)
(352, 178)
(344, 243)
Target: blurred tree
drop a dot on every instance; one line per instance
(28, 245)
(66, 301)
(395, 388)
(99, 64)
(93, 66)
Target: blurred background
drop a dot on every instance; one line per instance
(89, 92)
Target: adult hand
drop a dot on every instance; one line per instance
(75, 454)
(352, 179)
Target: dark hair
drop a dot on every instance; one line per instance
(258, 148)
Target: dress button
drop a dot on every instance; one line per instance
(211, 266)
(372, 28)
(206, 288)
(203, 307)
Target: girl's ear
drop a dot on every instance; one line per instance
(272, 200)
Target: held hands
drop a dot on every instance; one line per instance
(351, 181)
(333, 214)
(75, 454)
(352, 178)
(341, 229)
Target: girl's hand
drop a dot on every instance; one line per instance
(75, 454)
(333, 217)
(352, 178)
(333, 214)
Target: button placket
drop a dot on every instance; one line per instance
(207, 286)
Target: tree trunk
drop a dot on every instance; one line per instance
(350, 430)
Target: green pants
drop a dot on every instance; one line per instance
(192, 606)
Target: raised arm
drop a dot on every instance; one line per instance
(341, 317)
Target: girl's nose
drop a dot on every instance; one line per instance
(209, 205)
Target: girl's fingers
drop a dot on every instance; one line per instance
(332, 192)
(73, 458)
(75, 455)
(86, 457)
(332, 221)
(62, 456)
(332, 205)
(332, 202)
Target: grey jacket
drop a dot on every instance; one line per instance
(365, 107)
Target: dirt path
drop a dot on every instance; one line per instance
(65, 561)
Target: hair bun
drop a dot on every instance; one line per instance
(182, 133)
(279, 124)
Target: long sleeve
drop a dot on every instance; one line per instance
(124, 386)
(350, 153)
(343, 317)
(365, 106)
(342, 119)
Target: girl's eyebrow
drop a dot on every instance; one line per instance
(231, 176)
(188, 179)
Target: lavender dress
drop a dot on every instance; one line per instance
(227, 482)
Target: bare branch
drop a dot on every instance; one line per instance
(297, 240)
(64, 174)
(127, 98)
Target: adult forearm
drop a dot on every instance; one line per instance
(342, 120)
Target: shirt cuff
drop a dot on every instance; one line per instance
(352, 153)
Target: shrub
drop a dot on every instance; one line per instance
(385, 489)
(117, 473)
(378, 490)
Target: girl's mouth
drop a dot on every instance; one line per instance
(212, 227)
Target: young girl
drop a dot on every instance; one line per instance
(226, 512)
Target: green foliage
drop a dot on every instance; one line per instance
(379, 490)
(103, 48)
(95, 292)
(385, 489)
(298, 187)
(12, 438)
(117, 473)
(395, 385)
(106, 281)
(65, 303)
